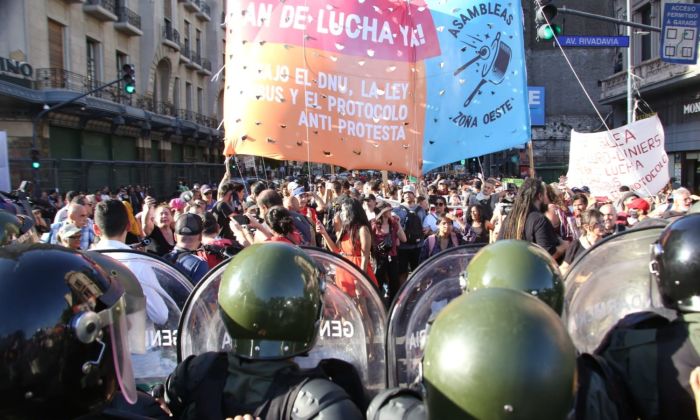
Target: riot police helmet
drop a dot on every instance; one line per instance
(675, 263)
(63, 339)
(518, 265)
(16, 229)
(271, 301)
(498, 353)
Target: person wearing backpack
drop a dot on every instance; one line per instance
(444, 238)
(411, 217)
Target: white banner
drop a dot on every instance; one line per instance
(632, 155)
(4, 164)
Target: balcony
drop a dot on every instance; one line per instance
(185, 53)
(204, 11)
(55, 78)
(206, 67)
(104, 10)
(171, 37)
(195, 61)
(649, 73)
(191, 5)
(129, 22)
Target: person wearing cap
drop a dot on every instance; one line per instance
(188, 238)
(69, 235)
(208, 196)
(409, 251)
(369, 203)
(637, 211)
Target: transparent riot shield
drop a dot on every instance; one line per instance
(166, 290)
(429, 289)
(608, 282)
(352, 328)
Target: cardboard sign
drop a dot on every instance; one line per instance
(632, 155)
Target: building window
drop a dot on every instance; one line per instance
(188, 96)
(200, 101)
(56, 45)
(121, 60)
(93, 65)
(186, 35)
(167, 10)
(198, 42)
(176, 92)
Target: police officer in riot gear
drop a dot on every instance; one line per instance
(517, 265)
(63, 338)
(491, 353)
(651, 354)
(16, 229)
(271, 301)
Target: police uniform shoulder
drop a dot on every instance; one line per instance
(322, 399)
(397, 403)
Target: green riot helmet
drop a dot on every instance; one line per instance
(271, 301)
(498, 354)
(518, 265)
(63, 340)
(675, 263)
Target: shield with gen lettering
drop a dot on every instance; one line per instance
(430, 288)
(352, 326)
(609, 281)
(166, 290)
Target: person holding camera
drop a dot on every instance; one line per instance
(387, 233)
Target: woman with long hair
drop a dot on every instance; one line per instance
(592, 229)
(526, 220)
(354, 240)
(477, 229)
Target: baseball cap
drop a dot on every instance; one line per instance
(639, 204)
(205, 188)
(408, 188)
(177, 204)
(68, 230)
(298, 191)
(189, 224)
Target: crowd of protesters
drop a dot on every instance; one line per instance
(385, 227)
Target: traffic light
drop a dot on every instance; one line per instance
(36, 163)
(545, 12)
(129, 78)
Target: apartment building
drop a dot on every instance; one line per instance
(54, 51)
(670, 90)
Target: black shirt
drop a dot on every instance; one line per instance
(573, 251)
(158, 245)
(222, 210)
(539, 230)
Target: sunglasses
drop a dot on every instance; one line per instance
(440, 204)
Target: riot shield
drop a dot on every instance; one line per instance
(609, 281)
(429, 289)
(352, 327)
(166, 290)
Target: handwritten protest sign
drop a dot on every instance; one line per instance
(632, 155)
(374, 84)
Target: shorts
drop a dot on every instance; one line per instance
(408, 259)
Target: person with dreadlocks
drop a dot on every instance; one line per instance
(526, 221)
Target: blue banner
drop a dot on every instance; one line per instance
(477, 97)
(535, 99)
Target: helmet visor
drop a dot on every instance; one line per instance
(119, 334)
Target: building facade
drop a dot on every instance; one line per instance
(670, 90)
(54, 51)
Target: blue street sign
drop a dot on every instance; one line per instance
(679, 33)
(594, 41)
(535, 99)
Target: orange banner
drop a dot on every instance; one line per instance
(291, 102)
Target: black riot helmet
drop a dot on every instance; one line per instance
(16, 229)
(63, 338)
(675, 263)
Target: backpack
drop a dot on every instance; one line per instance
(432, 239)
(412, 227)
